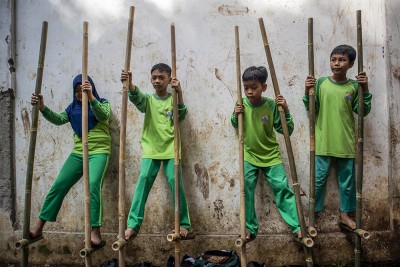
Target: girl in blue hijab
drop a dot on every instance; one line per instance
(99, 144)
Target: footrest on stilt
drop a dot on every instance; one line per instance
(121, 242)
(173, 237)
(360, 232)
(26, 242)
(88, 251)
(306, 241)
(312, 231)
(240, 242)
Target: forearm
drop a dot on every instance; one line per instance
(53, 117)
(102, 111)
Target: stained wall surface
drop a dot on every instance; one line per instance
(206, 68)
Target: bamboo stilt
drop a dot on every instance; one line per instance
(32, 148)
(242, 241)
(177, 244)
(311, 96)
(120, 244)
(360, 144)
(85, 147)
(296, 187)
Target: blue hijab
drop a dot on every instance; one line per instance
(74, 110)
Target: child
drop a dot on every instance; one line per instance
(99, 141)
(336, 97)
(261, 150)
(157, 143)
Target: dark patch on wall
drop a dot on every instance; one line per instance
(203, 179)
(396, 73)
(233, 10)
(25, 121)
(218, 208)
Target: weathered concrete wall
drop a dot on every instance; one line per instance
(7, 105)
(393, 85)
(206, 67)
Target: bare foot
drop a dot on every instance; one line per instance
(346, 220)
(183, 232)
(298, 234)
(130, 233)
(37, 230)
(95, 236)
(248, 235)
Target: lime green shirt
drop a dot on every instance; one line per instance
(99, 138)
(158, 127)
(260, 145)
(334, 125)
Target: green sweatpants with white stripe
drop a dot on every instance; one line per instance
(346, 180)
(69, 175)
(283, 194)
(148, 173)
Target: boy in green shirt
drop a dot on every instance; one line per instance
(336, 98)
(157, 143)
(261, 149)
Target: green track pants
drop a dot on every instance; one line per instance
(148, 173)
(346, 180)
(284, 196)
(69, 175)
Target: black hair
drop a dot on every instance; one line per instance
(345, 50)
(161, 67)
(253, 73)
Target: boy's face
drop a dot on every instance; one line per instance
(340, 64)
(253, 91)
(160, 80)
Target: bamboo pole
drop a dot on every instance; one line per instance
(311, 96)
(360, 144)
(177, 245)
(240, 242)
(121, 242)
(88, 243)
(32, 148)
(296, 187)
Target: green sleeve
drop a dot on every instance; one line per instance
(367, 103)
(234, 120)
(138, 99)
(278, 124)
(182, 112)
(55, 118)
(102, 111)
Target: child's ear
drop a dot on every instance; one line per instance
(352, 64)
(264, 87)
(170, 79)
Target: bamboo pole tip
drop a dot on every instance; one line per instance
(20, 243)
(45, 23)
(308, 242)
(84, 252)
(312, 231)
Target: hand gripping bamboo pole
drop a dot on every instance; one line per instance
(296, 188)
(311, 96)
(24, 243)
(121, 242)
(360, 144)
(177, 245)
(241, 242)
(88, 244)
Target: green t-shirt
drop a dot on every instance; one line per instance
(99, 138)
(260, 145)
(334, 125)
(158, 127)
